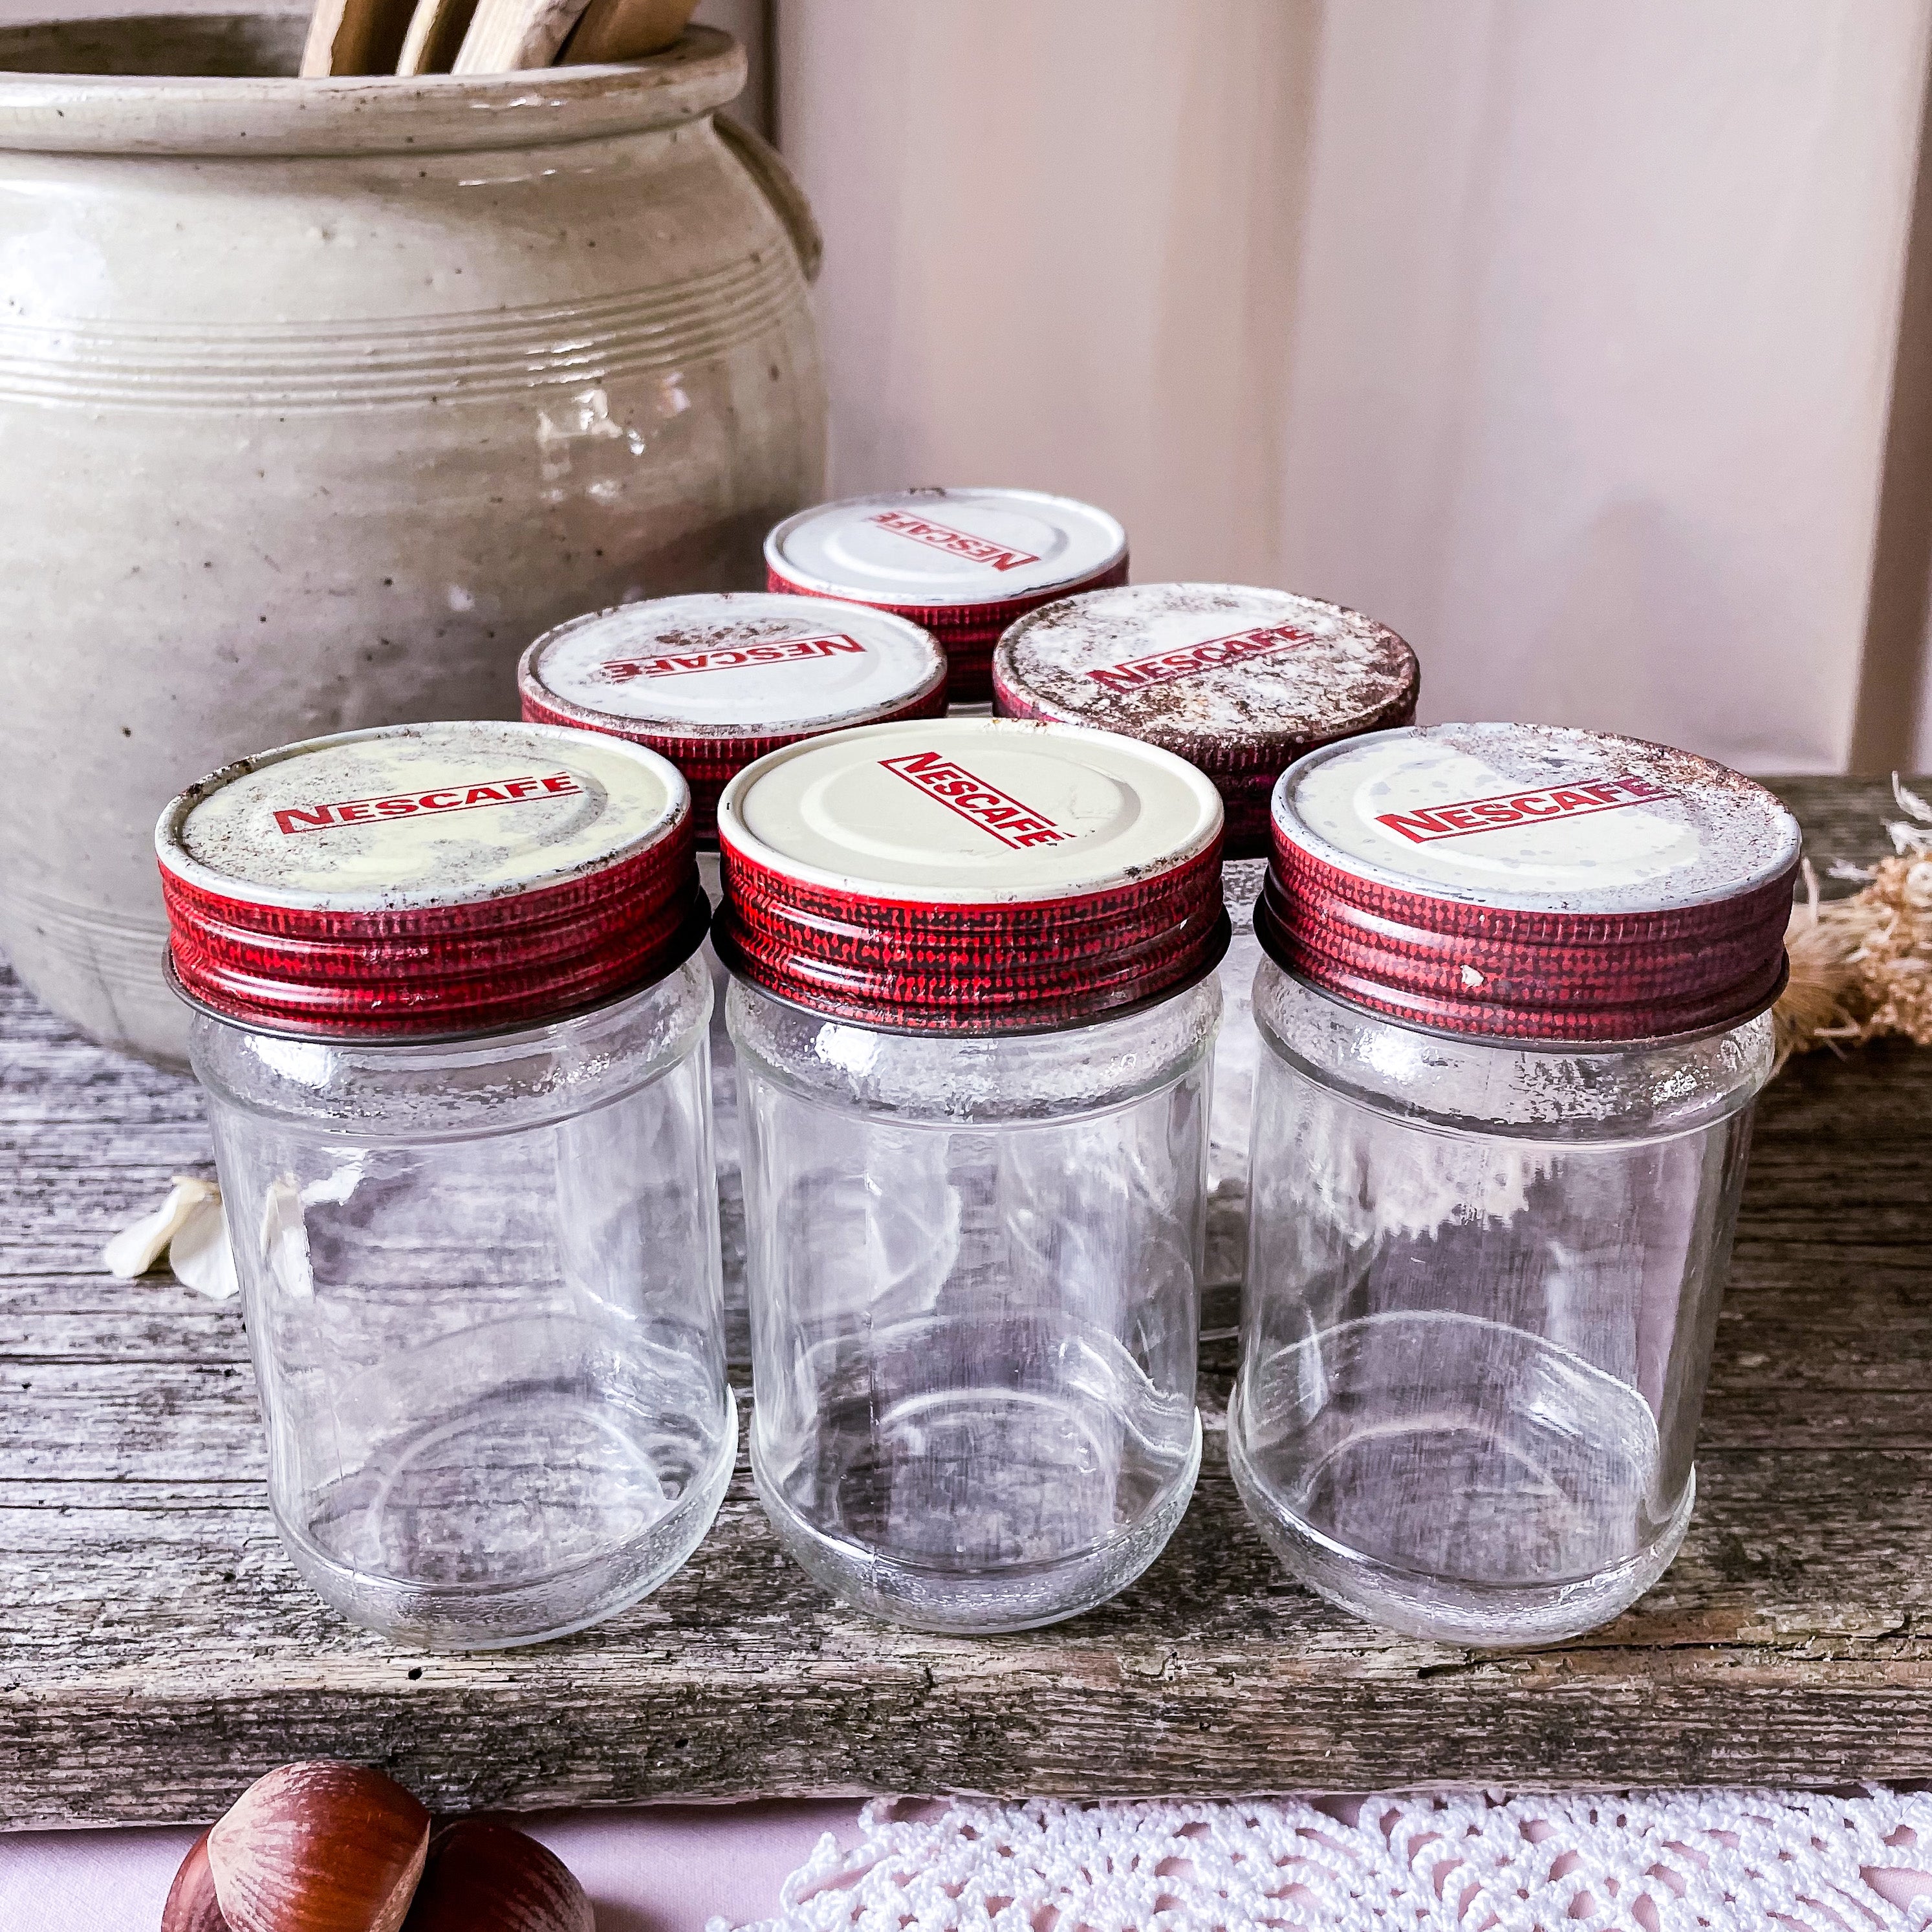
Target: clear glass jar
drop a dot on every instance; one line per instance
(481, 1288)
(1482, 1283)
(974, 1005)
(973, 1267)
(1514, 1013)
(449, 1013)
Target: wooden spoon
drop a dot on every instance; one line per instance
(509, 36)
(626, 30)
(436, 28)
(355, 37)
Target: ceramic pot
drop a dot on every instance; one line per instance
(320, 399)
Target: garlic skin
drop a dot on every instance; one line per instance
(200, 1254)
(191, 1230)
(318, 1847)
(137, 1249)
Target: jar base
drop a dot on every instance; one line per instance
(928, 1596)
(1477, 1616)
(468, 1616)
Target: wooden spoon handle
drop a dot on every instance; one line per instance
(509, 36)
(626, 30)
(436, 28)
(355, 37)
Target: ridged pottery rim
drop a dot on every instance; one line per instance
(105, 113)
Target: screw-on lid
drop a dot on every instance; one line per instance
(964, 563)
(713, 683)
(1530, 881)
(971, 875)
(1239, 681)
(429, 879)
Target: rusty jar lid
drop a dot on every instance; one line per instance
(429, 879)
(1241, 682)
(970, 876)
(963, 563)
(713, 683)
(1531, 882)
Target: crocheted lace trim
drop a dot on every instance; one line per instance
(1665, 1862)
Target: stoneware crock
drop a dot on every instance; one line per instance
(320, 399)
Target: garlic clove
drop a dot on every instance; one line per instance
(285, 1239)
(483, 1877)
(137, 1248)
(199, 1253)
(318, 1847)
(192, 1906)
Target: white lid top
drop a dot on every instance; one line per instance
(414, 815)
(969, 810)
(1536, 817)
(1241, 668)
(945, 547)
(752, 664)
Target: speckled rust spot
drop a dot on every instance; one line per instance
(1240, 681)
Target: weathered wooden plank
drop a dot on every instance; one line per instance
(157, 1650)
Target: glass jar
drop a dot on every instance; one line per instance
(1240, 681)
(713, 683)
(452, 1029)
(962, 563)
(974, 1076)
(1514, 1018)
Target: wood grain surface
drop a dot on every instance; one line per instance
(156, 1652)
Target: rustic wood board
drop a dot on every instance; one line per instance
(157, 1651)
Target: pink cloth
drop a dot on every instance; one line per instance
(661, 1868)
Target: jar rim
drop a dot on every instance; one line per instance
(47, 111)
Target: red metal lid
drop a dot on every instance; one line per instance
(970, 876)
(429, 879)
(1531, 882)
(1239, 681)
(713, 681)
(963, 563)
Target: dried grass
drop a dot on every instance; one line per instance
(1862, 967)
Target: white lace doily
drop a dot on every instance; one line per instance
(1754, 1861)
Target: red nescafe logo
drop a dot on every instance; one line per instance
(954, 543)
(291, 818)
(1469, 815)
(1163, 666)
(683, 663)
(995, 812)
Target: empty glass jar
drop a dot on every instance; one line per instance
(452, 1027)
(1514, 1018)
(713, 683)
(973, 1011)
(1239, 682)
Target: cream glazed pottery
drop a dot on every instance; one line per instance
(320, 399)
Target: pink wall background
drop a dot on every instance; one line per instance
(1561, 337)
